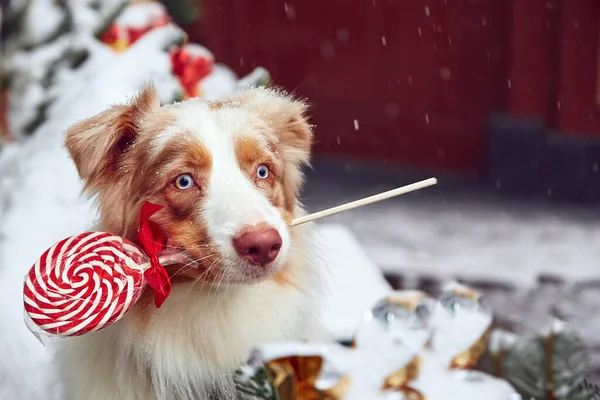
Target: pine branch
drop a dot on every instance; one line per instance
(588, 391)
(108, 13)
(549, 367)
(66, 25)
(255, 387)
(184, 12)
(13, 17)
(569, 365)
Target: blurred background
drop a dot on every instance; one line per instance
(498, 99)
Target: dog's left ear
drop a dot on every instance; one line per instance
(97, 144)
(287, 118)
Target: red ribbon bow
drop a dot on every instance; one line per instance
(153, 241)
(190, 69)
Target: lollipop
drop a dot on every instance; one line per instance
(83, 283)
(86, 282)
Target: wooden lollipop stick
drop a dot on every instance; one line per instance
(367, 200)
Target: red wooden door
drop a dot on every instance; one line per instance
(577, 108)
(407, 81)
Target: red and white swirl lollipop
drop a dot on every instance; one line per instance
(86, 282)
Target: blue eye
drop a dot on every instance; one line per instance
(184, 182)
(262, 172)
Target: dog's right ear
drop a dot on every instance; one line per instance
(97, 144)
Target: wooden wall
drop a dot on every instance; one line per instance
(554, 64)
(416, 81)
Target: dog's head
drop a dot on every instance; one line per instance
(228, 174)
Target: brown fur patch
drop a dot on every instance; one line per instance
(285, 277)
(287, 120)
(97, 144)
(251, 153)
(177, 157)
(219, 104)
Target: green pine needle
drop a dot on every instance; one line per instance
(591, 391)
(258, 387)
(552, 367)
(184, 12)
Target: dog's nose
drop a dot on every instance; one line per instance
(259, 245)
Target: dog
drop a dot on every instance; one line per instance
(228, 174)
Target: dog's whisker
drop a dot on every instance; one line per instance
(191, 286)
(217, 282)
(209, 269)
(192, 261)
(198, 279)
(212, 285)
(222, 289)
(309, 258)
(195, 246)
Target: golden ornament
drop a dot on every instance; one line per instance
(295, 377)
(470, 357)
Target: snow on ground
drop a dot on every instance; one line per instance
(355, 283)
(531, 258)
(451, 230)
